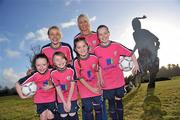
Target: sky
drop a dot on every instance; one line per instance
(24, 24)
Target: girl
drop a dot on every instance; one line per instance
(86, 66)
(63, 78)
(85, 31)
(108, 53)
(55, 36)
(45, 94)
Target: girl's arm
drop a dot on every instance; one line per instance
(19, 84)
(70, 96)
(71, 91)
(136, 66)
(94, 90)
(19, 91)
(100, 79)
(59, 92)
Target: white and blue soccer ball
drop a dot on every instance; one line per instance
(125, 63)
(29, 89)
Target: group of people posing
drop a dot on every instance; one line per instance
(93, 75)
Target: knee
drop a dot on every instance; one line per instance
(119, 103)
(111, 105)
(50, 115)
(97, 108)
(88, 109)
(43, 115)
(111, 109)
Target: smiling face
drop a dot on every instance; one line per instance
(59, 61)
(81, 48)
(54, 36)
(103, 34)
(41, 65)
(83, 23)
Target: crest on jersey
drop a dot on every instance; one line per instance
(94, 42)
(90, 48)
(93, 65)
(89, 73)
(68, 77)
(115, 53)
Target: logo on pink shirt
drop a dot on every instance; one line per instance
(46, 82)
(68, 77)
(64, 87)
(109, 61)
(94, 42)
(90, 75)
(115, 53)
(93, 66)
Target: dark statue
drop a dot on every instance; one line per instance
(147, 45)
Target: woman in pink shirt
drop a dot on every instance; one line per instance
(85, 31)
(63, 77)
(86, 66)
(108, 53)
(44, 97)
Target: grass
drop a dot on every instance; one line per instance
(13, 108)
(163, 105)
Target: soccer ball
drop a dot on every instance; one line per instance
(125, 63)
(29, 89)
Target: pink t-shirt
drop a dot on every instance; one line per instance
(65, 48)
(41, 96)
(109, 62)
(92, 40)
(63, 79)
(87, 71)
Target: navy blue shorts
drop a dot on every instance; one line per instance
(111, 94)
(41, 107)
(74, 107)
(91, 102)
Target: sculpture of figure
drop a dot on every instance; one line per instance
(147, 44)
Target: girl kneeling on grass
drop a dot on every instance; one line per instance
(44, 97)
(63, 77)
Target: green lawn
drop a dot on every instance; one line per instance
(164, 105)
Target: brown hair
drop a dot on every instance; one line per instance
(52, 27)
(60, 54)
(37, 56)
(77, 54)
